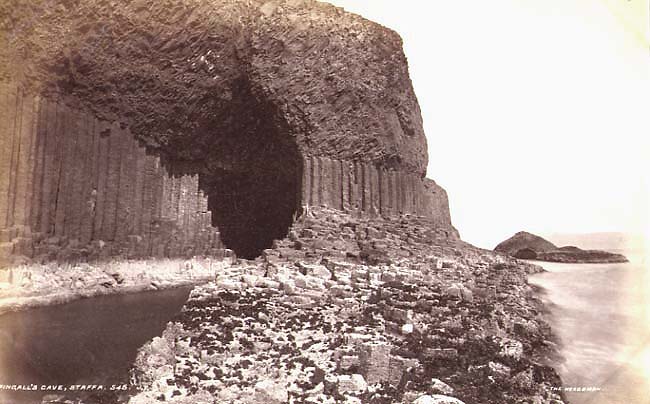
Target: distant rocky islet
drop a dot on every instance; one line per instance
(525, 245)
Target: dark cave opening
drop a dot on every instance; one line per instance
(252, 177)
(252, 208)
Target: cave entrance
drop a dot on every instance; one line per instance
(253, 177)
(252, 208)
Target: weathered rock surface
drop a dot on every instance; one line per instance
(173, 69)
(529, 246)
(266, 106)
(30, 285)
(341, 339)
(287, 131)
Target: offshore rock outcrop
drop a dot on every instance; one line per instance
(524, 240)
(571, 254)
(267, 106)
(529, 246)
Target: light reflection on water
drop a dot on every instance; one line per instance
(601, 312)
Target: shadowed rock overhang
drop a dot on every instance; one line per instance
(263, 107)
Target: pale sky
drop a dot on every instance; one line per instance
(536, 111)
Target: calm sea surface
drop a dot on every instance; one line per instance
(89, 341)
(601, 312)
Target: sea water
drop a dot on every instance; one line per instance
(601, 313)
(90, 342)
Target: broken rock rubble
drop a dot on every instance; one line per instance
(323, 327)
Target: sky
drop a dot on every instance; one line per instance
(536, 111)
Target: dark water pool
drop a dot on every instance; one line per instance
(85, 342)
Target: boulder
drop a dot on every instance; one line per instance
(454, 291)
(437, 399)
(459, 291)
(398, 366)
(511, 348)
(499, 369)
(269, 392)
(316, 270)
(250, 280)
(466, 295)
(351, 384)
(399, 316)
(439, 353)
(228, 284)
(375, 361)
(347, 362)
(439, 386)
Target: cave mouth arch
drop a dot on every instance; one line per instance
(252, 174)
(205, 115)
(252, 208)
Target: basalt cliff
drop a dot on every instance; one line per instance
(282, 138)
(171, 128)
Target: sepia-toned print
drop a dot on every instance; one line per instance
(296, 201)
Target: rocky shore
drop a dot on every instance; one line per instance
(575, 255)
(358, 310)
(171, 128)
(32, 284)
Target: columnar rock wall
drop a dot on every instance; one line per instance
(372, 189)
(78, 186)
(68, 178)
(275, 105)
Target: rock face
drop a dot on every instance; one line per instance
(313, 323)
(180, 69)
(236, 114)
(73, 180)
(529, 246)
(284, 130)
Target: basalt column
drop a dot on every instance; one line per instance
(73, 186)
(133, 114)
